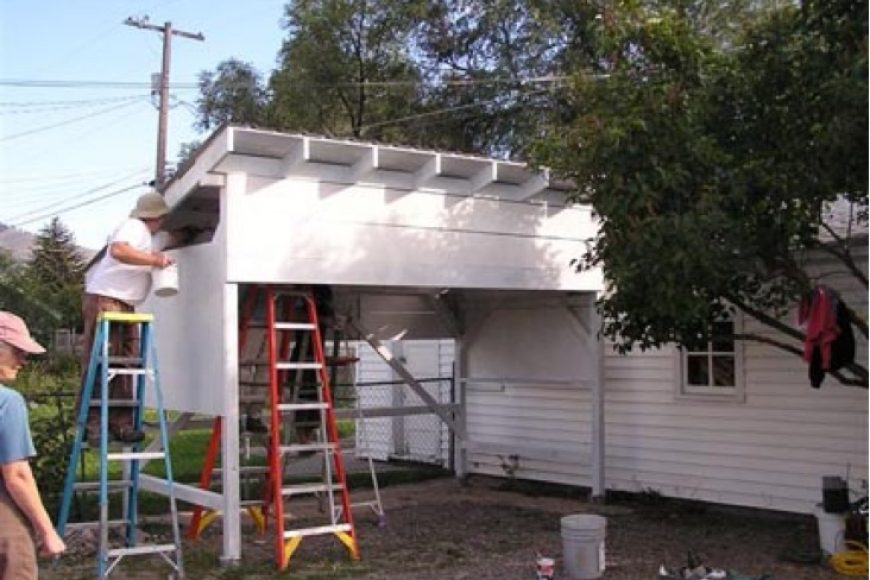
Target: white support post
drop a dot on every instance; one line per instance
(232, 537)
(595, 341)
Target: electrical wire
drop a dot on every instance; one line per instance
(8, 138)
(47, 106)
(79, 205)
(77, 196)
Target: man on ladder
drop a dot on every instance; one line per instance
(118, 281)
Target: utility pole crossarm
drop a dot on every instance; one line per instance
(168, 32)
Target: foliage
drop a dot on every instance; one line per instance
(58, 270)
(709, 164)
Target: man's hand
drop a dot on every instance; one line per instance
(52, 545)
(161, 260)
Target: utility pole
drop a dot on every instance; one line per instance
(163, 118)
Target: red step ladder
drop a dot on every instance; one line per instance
(300, 321)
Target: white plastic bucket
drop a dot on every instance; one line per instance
(164, 281)
(832, 529)
(583, 546)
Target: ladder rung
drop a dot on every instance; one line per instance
(85, 525)
(116, 403)
(295, 448)
(125, 360)
(294, 326)
(142, 550)
(131, 455)
(305, 366)
(130, 317)
(245, 503)
(307, 488)
(301, 406)
(125, 371)
(94, 485)
(317, 531)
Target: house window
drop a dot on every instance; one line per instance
(712, 368)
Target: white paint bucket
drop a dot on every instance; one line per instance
(164, 281)
(832, 529)
(583, 546)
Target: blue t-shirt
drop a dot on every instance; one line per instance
(15, 440)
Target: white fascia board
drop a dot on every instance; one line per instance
(204, 165)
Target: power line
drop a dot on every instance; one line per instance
(23, 108)
(67, 122)
(77, 196)
(34, 83)
(79, 205)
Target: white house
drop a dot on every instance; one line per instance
(415, 245)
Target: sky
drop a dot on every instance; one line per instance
(70, 135)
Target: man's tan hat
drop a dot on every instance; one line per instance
(150, 206)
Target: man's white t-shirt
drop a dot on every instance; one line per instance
(114, 279)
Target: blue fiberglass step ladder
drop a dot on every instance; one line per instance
(144, 369)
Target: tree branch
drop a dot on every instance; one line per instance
(844, 256)
(767, 319)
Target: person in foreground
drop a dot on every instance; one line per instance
(21, 510)
(119, 281)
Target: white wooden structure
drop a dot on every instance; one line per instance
(415, 244)
(766, 445)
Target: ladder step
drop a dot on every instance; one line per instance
(317, 531)
(299, 447)
(125, 360)
(95, 485)
(305, 366)
(142, 550)
(117, 403)
(283, 366)
(301, 406)
(87, 525)
(283, 325)
(308, 488)
(135, 455)
(132, 372)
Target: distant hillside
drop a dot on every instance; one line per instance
(19, 243)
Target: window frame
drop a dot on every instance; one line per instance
(735, 393)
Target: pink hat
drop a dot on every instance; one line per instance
(13, 331)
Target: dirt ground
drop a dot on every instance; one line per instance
(487, 529)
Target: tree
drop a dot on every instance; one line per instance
(57, 269)
(233, 93)
(710, 164)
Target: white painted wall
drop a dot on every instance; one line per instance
(296, 230)
(529, 398)
(190, 331)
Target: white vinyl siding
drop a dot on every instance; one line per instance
(770, 451)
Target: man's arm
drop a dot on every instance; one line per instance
(124, 252)
(21, 487)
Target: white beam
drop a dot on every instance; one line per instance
(382, 351)
(430, 170)
(483, 178)
(364, 165)
(182, 492)
(300, 155)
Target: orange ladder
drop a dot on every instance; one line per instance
(278, 340)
